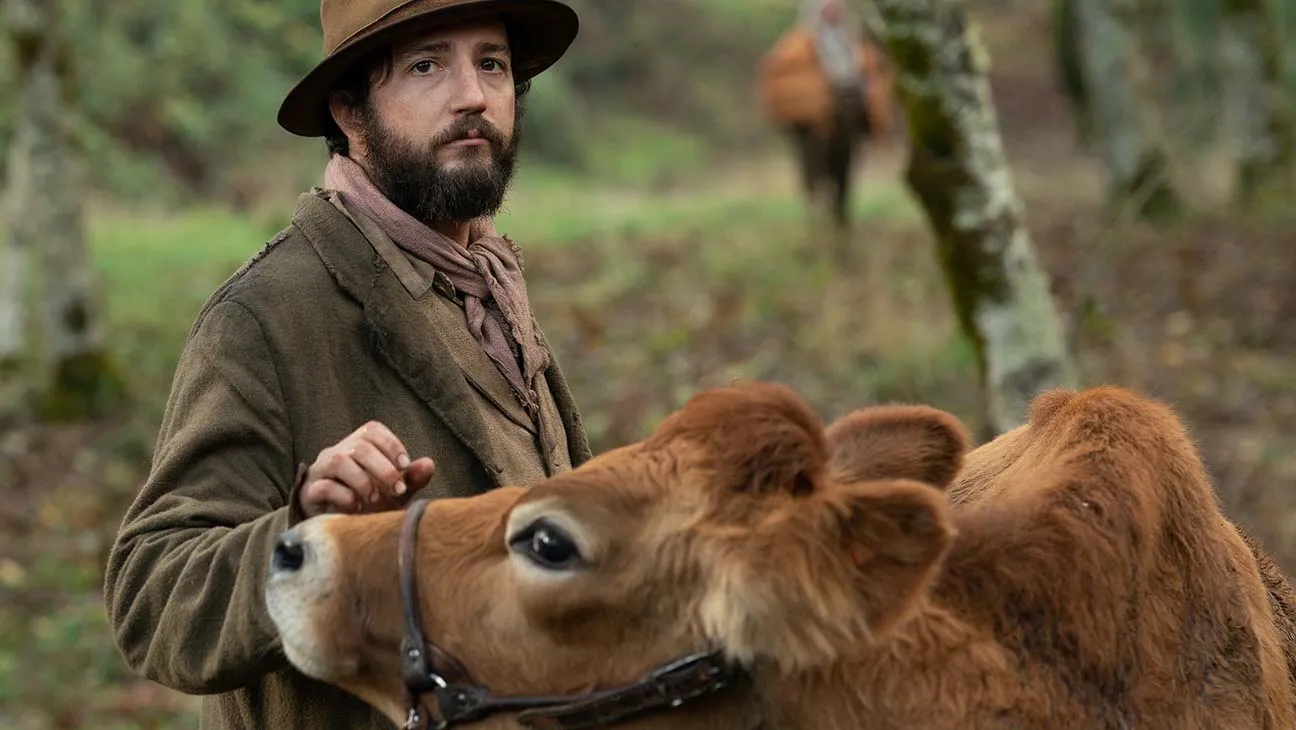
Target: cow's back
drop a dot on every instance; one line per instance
(1282, 600)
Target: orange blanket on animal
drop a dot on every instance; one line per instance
(793, 88)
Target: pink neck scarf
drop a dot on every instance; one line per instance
(488, 268)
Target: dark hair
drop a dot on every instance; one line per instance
(355, 84)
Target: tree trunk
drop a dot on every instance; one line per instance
(1067, 71)
(14, 344)
(44, 215)
(1136, 160)
(1259, 106)
(958, 169)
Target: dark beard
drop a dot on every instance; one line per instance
(415, 182)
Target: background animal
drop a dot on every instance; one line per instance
(827, 119)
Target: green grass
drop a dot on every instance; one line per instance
(158, 267)
(157, 270)
(551, 207)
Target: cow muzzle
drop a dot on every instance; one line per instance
(302, 571)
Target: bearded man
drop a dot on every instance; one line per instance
(380, 347)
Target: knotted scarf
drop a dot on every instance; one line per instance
(488, 268)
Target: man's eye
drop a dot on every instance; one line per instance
(423, 67)
(491, 64)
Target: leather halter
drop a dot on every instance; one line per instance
(429, 669)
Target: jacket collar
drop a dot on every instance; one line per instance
(418, 278)
(422, 360)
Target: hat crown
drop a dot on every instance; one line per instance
(342, 19)
(540, 30)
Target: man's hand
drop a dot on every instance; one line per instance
(368, 471)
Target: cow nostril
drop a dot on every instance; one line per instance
(289, 553)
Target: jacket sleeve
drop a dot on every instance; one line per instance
(185, 576)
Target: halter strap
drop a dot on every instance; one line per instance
(428, 669)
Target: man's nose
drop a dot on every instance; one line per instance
(470, 96)
(289, 553)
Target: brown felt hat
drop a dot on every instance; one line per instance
(540, 32)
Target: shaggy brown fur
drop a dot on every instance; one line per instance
(1282, 600)
(1074, 573)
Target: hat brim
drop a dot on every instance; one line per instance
(540, 32)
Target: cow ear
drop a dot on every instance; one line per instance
(756, 439)
(897, 442)
(1048, 404)
(815, 579)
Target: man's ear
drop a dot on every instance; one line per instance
(344, 117)
(800, 587)
(897, 442)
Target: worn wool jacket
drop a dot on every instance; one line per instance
(326, 328)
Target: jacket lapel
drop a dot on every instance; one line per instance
(447, 318)
(578, 447)
(477, 366)
(401, 333)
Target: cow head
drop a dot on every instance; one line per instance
(738, 525)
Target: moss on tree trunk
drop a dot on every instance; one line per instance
(960, 174)
(81, 385)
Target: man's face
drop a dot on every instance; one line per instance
(439, 134)
(833, 12)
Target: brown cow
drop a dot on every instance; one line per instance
(1074, 573)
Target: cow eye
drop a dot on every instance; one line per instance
(545, 544)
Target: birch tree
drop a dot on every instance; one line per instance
(21, 24)
(44, 219)
(1253, 55)
(960, 174)
(14, 344)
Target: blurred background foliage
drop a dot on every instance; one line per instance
(176, 101)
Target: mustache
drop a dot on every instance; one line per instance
(463, 126)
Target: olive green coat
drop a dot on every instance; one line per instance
(318, 333)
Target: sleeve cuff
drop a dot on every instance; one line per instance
(295, 512)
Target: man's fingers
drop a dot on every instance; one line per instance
(420, 473)
(343, 467)
(382, 437)
(369, 467)
(326, 495)
(381, 469)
